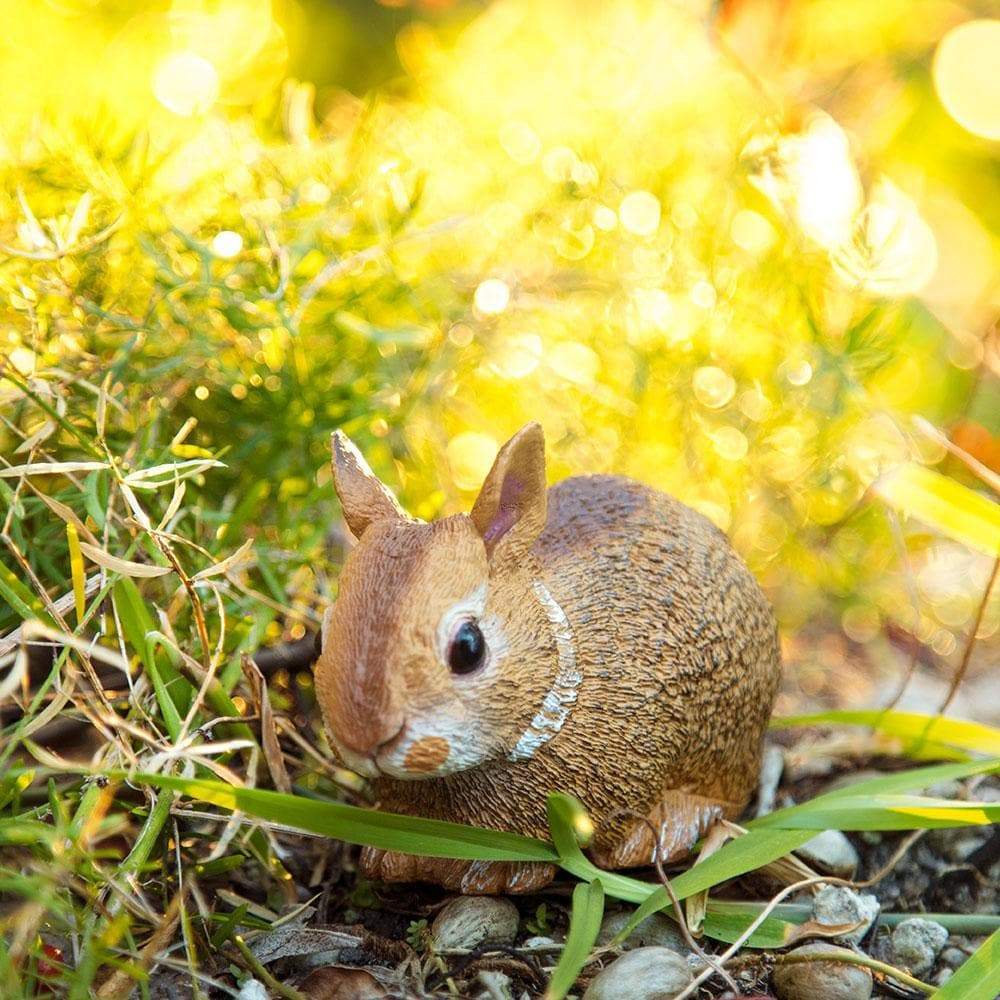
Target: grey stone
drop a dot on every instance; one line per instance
(831, 853)
(469, 921)
(656, 930)
(643, 974)
(819, 980)
(836, 904)
(916, 943)
(539, 942)
(953, 957)
(252, 989)
(497, 985)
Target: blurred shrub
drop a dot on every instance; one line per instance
(595, 216)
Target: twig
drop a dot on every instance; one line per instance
(678, 911)
(289, 992)
(970, 641)
(853, 958)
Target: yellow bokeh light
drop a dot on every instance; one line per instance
(605, 218)
(519, 356)
(640, 213)
(752, 232)
(227, 244)
(811, 175)
(470, 456)
(893, 250)
(713, 387)
(730, 443)
(575, 362)
(967, 76)
(492, 296)
(520, 142)
(185, 83)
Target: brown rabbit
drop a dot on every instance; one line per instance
(598, 638)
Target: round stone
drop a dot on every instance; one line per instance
(916, 943)
(466, 922)
(642, 974)
(831, 853)
(836, 905)
(813, 979)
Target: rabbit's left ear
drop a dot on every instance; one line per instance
(509, 512)
(363, 497)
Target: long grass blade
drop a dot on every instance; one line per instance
(978, 978)
(388, 831)
(881, 812)
(584, 924)
(961, 733)
(948, 506)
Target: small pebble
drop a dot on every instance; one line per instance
(916, 943)
(953, 957)
(955, 844)
(539, 942)
(252, 989)
(818, 980)
(836, 904)
(831, 853)
(469, 921)
(656, 930)
(498, 985)
(643, 974)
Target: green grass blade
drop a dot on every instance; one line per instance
(584, 925)
(881, 812)
(739, 856)
(959, 733)
(886, 784)
(948, 506)
(915, 778)
(724, 924)
(25, 602)
(388, 831)
(978, 978)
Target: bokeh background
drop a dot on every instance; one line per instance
(744, 251)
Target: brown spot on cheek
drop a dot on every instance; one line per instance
(427, 755)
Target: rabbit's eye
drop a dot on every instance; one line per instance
(467, 649)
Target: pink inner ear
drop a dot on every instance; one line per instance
(506, 515)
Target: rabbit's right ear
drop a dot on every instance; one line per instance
(363, 497)
(509, 512)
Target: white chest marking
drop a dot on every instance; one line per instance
(558, 702)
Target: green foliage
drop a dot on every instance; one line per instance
(585, 924)
(979, 976)
(417, 935)
(190, 305)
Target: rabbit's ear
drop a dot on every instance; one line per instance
(363, 497)
(509, 512)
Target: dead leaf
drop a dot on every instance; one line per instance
(124, 566)
(812, 928)
(268, 731)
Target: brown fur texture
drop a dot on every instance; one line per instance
(675, 644)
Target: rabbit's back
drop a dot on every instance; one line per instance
(674, 639)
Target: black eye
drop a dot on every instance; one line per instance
(467, 649)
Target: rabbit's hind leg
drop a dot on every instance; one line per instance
(679, 820)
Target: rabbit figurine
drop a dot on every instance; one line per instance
(598, 638)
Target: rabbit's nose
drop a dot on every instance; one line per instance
(367, 740)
